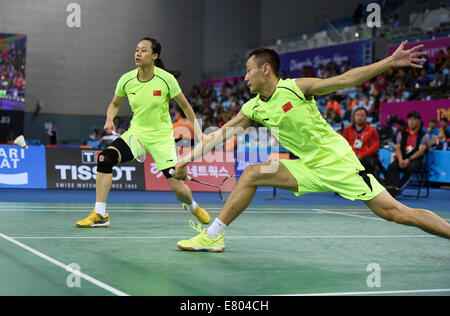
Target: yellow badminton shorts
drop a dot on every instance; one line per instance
(162, 149)
(344, 177)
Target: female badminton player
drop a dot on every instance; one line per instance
(148, 88)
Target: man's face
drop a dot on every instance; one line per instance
(360, 117)
(255, 75)
(443, 123)
(431, 124)
(413, 123)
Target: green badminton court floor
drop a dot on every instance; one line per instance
(271, 250)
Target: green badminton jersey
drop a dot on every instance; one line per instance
(298, 125)
(149, 101)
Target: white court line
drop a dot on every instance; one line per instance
(229, 237)
(371, 292)
(65, 267)
(350, 215)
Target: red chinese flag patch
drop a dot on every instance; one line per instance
(288, 106)
(156, 93)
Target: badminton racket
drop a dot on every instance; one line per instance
(136, 146)
(224, 189)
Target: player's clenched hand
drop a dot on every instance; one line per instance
(109, 126)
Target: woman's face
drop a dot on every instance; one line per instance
(144, 55)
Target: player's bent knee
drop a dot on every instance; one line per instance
(107, 159)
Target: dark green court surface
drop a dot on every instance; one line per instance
(271, 250)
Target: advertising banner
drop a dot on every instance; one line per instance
(437, 109)
(76, 169)
(212, 169)
(293, 63)
(22, 168)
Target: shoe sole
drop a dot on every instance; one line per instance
(105, 225)
(221, 249)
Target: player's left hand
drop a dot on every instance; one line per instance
(408, 58)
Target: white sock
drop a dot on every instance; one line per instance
(100, 208)
(216, 228)
(192, 207)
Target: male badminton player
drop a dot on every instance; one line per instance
(148, 88)
(327, 162)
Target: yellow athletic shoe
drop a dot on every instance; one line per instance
(200, 213)
(94, 220)
(202, 242)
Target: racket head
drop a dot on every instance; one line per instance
(137, 149)
(226, 187)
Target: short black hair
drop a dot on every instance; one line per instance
(265, 55)
(361, 108)
(444, 119)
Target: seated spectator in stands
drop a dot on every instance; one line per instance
(11, 138)
(443, 125)
(107, 139)
(334, 104)
(411, 146)
(440, 61)
(399, 127)
(333, 112)
(404, 76)
(443, 137)
(432, 129)
(53, 133)
(183, 131)
(122, 128)
(364, 140)
(422, 81)
(349, 107)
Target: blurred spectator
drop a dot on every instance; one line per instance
(53, 133)
(107, 139)
(399, 127)
(364, 140)
(122, 128)
(116, 122)
(441, 140)
(411, 145)
(422, 81)
(183, 131)
(432, 128)
(11, 138)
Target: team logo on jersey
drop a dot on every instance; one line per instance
(156, 93)
(288, 106)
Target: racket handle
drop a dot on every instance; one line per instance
(114, 133)
(172, 173)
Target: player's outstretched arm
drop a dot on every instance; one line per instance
(356, 76)
(235, 126)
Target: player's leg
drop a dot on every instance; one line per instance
(273, 174)
(108, 158)
(165, 155)
(265, 174)
(385, 206)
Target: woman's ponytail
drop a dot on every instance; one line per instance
(156, 48)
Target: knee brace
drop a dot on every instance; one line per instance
(110, 158)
